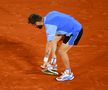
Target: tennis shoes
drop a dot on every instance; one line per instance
(49, 66)
(65, 76)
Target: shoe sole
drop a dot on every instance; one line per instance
(65, 79)
(50, 72)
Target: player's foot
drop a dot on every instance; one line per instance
(65, 76)
(49, 66)
(44, 66)
(55, 67)
(52, 67)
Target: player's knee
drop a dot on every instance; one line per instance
(60, 51)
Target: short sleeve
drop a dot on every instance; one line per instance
(50, 31)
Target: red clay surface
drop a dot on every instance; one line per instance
(22, 46)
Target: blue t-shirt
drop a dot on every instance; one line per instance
(60, 23)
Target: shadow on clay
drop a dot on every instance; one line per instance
(19, 55)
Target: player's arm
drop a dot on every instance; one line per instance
(50, 32)
(50, 45)
(48, 49)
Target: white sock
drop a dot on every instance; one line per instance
(45, 59)
(53, 60)
(68, 70)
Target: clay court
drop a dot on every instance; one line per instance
(22, 46)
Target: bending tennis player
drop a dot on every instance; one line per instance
(58, 25)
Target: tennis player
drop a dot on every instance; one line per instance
(58, 25)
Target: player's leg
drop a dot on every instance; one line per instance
(67, 74)
(68, 42)
(64, 48)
